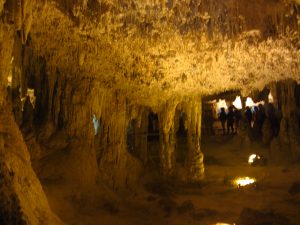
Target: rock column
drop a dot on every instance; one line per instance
(167, 139)
(194, 163)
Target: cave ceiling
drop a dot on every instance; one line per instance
(152, 49)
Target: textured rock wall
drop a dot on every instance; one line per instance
(21, 195)
(169, 123)
(6, 46)
(22, 200)
(167, 137)
(287, 145)
(194, 164)
(67, 105)
(117, 167)
(160, 52)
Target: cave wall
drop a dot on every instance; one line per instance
(117, 166)
(66, 106)
(194, 164)
(193, 170)
(286, 147)
(21, 195)
(22, 198)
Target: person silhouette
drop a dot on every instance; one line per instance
(230, 120)
(223, 118)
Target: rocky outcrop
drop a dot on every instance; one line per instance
(287, 145)
(117, 166)
(21, 195)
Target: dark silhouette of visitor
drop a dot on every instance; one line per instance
(248, 115)
(274, 121)
(230, 120)
(259, 119)
(223, 118)
(237, 119)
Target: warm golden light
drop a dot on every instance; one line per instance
(252, 158)
(222, 103)
(270, 98)
(251, 103)
(30, 93)
(243, 181)
(237, 102)
(9, 80)
(224, 224)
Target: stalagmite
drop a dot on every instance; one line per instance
(194, 164)
(167, 141)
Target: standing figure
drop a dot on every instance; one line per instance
(259, 119)
(223, 118)
(237, 118)
(230, 120)
(248, 115)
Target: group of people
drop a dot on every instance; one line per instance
(254, 119)
(231, 119)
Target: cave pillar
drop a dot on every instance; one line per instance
(286, 146)
(167, 154)
(117, 166)
(289, 130)
(6, 48)
(194, 162)
(167, 139)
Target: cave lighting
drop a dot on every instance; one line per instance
(32, 98)
(270, 98)
(252, 158)
(237, 102)
(224, 224)
(96, 124)
(250, 103)
(243, 181)
(221, 103)
(30, 93)
(9, 80)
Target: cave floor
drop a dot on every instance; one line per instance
(213, 200)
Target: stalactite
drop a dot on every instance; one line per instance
(167, 138)
(194, 163)
(117, 166)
